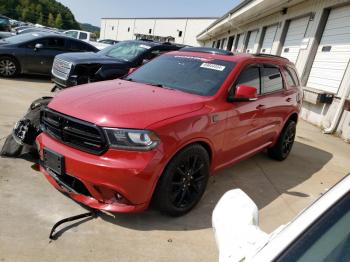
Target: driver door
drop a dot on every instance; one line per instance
(40, 60)
(244, 124)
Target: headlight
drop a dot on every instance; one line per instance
(131, 138)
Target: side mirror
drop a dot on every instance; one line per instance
(132, 70)
(244, 93)
(235, 223)
(38, 46)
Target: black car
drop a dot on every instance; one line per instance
(109, 63)
(108, 41)
(33, 53)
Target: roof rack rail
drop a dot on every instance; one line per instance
(269, 55)
(210, 50)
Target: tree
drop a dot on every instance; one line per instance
(58, 21)
(51, 20)
(40, 20)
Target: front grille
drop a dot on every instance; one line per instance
(61, 68)
(79, 134)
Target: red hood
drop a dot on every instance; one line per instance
(124, 104)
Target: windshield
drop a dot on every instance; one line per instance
(21, 38)
(185, 73)
(126, 51)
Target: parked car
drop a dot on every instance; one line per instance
(37, 30)
(108, 41)
(87, 37)
(5, 24)
(321, 232)
(33, 53)
(159, 132)
(113, 62)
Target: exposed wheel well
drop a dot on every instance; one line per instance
(293, 117)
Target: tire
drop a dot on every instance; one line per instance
(284, 145)
(9, 67)
(183, 182)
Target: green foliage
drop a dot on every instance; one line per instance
(58, 21)
(44, 12)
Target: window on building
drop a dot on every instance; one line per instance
(150, 31)
(230, 43)
(128, 29)
(218, 44)
(213, 45)
(180, 33)
(112, 28)
(271, 79)
(223, 41)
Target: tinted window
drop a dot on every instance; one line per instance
(54, 43)
(250, 77)
(271, 79)
(327, 240)
(83, 36)
(186, 73)
(289, 78)
(77, 46)
(294, 75)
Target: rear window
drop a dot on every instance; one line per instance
(185, 73)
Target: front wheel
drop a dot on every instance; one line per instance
(282, 148)
(8, 67)
(183, 182)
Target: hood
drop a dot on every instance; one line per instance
(89, 58)
(124, 104)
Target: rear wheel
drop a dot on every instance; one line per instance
(183, 182)
(282, 148)
(9, 67)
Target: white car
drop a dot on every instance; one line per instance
(321, 232)
(85, 36)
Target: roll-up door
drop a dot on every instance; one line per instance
(333, 53)
(240, 42)
(251, 41)
(269, 38)
(295, 35)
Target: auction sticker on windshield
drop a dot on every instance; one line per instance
(213, 66)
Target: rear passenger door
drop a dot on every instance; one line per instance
(274, 102)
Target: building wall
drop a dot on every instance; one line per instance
(125, 28)
(317, 113)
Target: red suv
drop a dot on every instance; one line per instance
(158, 133)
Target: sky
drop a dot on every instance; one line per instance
(91, 11)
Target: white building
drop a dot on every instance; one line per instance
(314, 34)
(174, 29)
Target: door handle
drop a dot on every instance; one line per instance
(260, 106)
(289, 99)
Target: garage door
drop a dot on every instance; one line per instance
(269, 38)
(294, 37)
(333, 53)
(240, 40)
(251, 41)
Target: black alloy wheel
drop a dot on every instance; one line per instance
(8, 67)
(284, 145)
(183, 181)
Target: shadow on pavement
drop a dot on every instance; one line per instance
(33, 78)
(261, 178)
